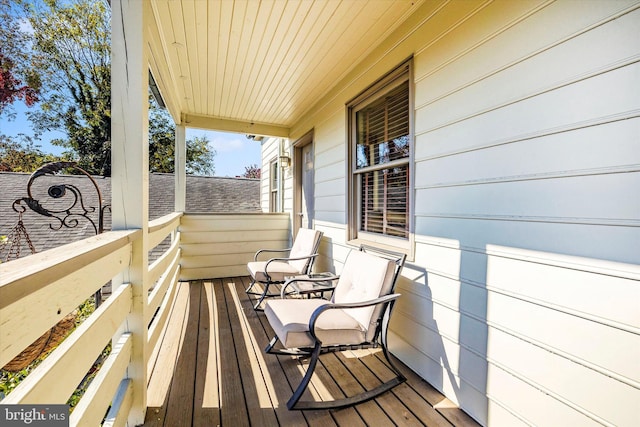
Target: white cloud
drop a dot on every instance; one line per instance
(229, 143)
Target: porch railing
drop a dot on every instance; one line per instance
(38, 291)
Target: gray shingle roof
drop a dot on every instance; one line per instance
(204, 195)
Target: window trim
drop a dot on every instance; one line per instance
(391, 81)
(274, 206)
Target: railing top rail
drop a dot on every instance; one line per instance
(163, 221)
(232, 214)
(23, 276)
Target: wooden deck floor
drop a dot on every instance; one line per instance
(212, 371)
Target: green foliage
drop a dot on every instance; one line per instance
(200, 156)
(71, 47)
(162, 135)
(22, 154)
(10, 380)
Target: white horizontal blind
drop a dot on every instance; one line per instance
(384, 201)
(382, 163)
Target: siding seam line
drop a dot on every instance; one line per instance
(470, 49)
(575, 359)
(522, 297)
(614, 222)
(585, 30)
(600, 71)
(626, 115)
(549, 393)
(574, 173)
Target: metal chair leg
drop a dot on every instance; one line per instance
(295, 403)
(291, 404)
(261, 298)
(251, 285)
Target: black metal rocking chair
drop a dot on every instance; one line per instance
(274, 271)
(356, 317)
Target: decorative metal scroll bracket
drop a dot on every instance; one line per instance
(73, 209)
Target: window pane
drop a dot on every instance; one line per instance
(273, 186)
(384, 201)
(382, 134)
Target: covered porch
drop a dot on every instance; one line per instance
(522, 287)
(212, 370)
(202, 344)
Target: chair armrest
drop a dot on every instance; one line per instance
(266, 266)
(288, 259)
(302, 279)
(255, 257)
(331, 306)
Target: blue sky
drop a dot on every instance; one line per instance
(234, 151)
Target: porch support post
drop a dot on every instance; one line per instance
(130, 174)
(180, 168)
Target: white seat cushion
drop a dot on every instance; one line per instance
(277, 270)
(289, 318)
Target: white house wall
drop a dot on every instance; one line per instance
(521, 302)
(269, 152)
(271, 148)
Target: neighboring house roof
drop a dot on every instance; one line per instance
(204, 195)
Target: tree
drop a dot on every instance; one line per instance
(22, 155)
(252, 171)
(72, 42)
(12, 88)
(18, 80)
(200, 156)
(162, 134)
(71, 45)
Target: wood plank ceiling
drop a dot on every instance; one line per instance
(261, 61)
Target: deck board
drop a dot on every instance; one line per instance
(207, 393)
(233, 404)
(279, 387)
(212, 370)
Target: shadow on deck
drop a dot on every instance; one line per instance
(212, 370)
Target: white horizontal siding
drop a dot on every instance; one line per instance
(229, 242)
(333, 251)
(580, 386)
(527, 136)
(522, 51)
(596, 241)
(571, 199)
(269, 152)
(579, 152)
(329, 170)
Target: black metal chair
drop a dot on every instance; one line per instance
(299, 261)
(356, 317)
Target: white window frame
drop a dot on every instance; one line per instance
(275, 204)
(356, 236)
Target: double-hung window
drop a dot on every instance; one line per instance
(380, 146)
(274, 186)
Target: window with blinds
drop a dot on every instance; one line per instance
(381, 151)
(274, 186)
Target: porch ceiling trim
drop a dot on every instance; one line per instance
(239, 126)
(259, 67)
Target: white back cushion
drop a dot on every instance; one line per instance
(363, 278)
(303, 246)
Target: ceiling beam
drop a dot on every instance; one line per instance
(227, 125)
